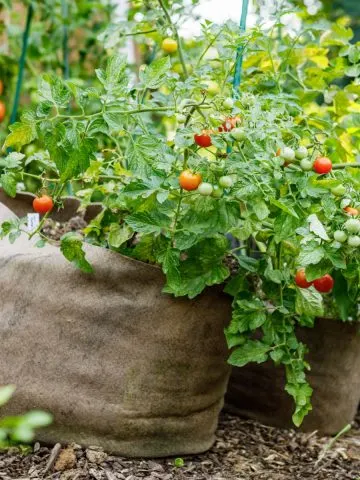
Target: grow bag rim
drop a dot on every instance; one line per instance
(87, 245)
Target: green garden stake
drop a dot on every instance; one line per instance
(66, 65)
(240, 50)
(29, 17)
(65, 43)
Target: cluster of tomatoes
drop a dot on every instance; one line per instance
(2, 104)
(350, 234)
(190, 181)
(230, 124)
(320, 165)
(323, 284)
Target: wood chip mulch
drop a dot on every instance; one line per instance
(244, 450)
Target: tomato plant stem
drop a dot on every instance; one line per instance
(339, 166)
(177, 36)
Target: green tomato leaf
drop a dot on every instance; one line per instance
(152, 222)
(341, 295)
(72, 248)
(119, 234)
(251, 351)
(317, 227)
(155, 74)
(8, 183)
(21, 134)
(286, 208)
(311, 253)
(309, 302)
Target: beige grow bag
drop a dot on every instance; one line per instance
(118, 363)
(257, 391)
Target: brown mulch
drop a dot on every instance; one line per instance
(244, 450)
(55, 230)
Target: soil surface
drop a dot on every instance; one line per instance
(244, 450)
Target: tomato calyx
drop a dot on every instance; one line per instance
(189, 181)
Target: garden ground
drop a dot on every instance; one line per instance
(244, 450)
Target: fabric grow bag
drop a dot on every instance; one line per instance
(257, 391)
(118, 363)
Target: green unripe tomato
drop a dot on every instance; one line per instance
(228, 103)
(238, 134)
(352, 225)
(226, 181)
(213, 88)
(301, 153)
(354, 241)
(339, 191)
(217, 166)
(288, 154)
(340, 236)
(181, 118)
(205, 189)
(306, 164)
(217, 191)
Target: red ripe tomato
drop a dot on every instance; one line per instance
(2, 111)
(300, 279)
(351, 211)
(324, 284)
(189, 181)
(322, 165)
(43, 204)
(1, 87)
(204, 139)
(229, 124)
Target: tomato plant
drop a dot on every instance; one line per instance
(257, 177)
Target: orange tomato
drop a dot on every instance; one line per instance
(189, 180)
(43, 204)
(351, 211)
(2, 111)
